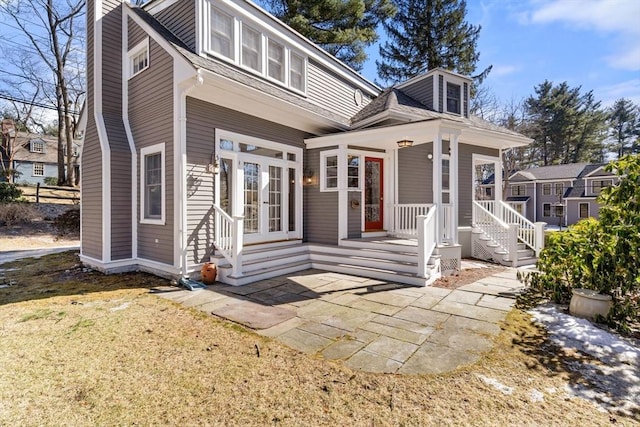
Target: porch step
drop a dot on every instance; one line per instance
(262, 273)
(382, 244)
(375, 273)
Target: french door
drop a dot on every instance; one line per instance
(373, 194)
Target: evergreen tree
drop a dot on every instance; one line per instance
(624, 127)
(425, 34)
(344, 28)
(567, 126)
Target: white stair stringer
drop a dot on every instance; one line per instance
(483, 247)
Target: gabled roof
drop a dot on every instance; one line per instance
(23, 148)
(554, 172)
(396, 102)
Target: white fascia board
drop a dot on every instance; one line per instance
(154, 7)
(385, 115)
(231, 94)
(385, 137)
(588, 198)
(183, 69)
(247, 10)
(493, 139)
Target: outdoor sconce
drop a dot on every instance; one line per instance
(308, 177)
(214, 166)
(404, 143)
(429, 156)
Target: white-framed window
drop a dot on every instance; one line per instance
(297, 72)
(559, 189)
(598, 185)
(152, 184)
(139, 58)
(583, 210)
(329, 171)
(546, 189)
(558, 211)
(37, 146)
(222, 33)
(546, 209)
(275, 58)
(518, 190)
(236, 38)
(454, 92)
(38, 169)
(251, 48)
(353, 172)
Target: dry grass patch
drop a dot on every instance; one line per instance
(17, 213)
(80, 348)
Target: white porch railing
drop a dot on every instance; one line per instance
(406, 218)
(501, 233)
(448, 232)
(529, 233)
(228, 238)
(427, 239)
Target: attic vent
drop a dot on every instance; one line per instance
(357, 97)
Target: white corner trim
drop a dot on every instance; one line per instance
(145, 151)
(102, 133)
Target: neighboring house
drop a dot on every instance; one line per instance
(559, 195)
(35, 158)
(216, 132)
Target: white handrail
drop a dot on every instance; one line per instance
(405, 218)
(427, 239)
(491, 225)
(526, 228)
(228, 238)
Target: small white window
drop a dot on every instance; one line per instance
(600, 184)
(546, 189)
(139, 58)
(38, 169)
(297, 72)
(329, 171)
(559, 189)
(251, 48)
(583, 210)
(37, 147)
(152, 188)
(353, 172)
(222, 40)
(453, 98)
(276, 61)
(518, 190)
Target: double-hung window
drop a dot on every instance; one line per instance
(518, 190)
(38, 169)
(296, 72)
(330, 172)
(139, 58)
(221, 33)
(276, 61)
(152, 182)
(37, 147)
(559, 189)
(546, 189)
(251, 48)
(453, 98)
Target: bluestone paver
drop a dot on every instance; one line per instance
(304, 341)
(392, 348)
(342, 349)
(372, 362)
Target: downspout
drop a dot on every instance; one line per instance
(180, 155)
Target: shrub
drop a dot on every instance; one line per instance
(17, 213)
(50, 180)
(600, 255)
(9, 192)
(68, 222)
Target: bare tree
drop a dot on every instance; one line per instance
(52, 33)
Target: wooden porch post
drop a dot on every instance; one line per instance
(437, 183)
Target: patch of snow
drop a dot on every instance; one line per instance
(536, 396)
(496, 384)
(614, 377)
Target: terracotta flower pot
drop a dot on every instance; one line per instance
(208, 273)
(588, 304)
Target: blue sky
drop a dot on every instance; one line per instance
(590, 43)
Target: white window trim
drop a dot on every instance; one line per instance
(519, 185)
(266, 34)
(153, 149)
(360, 171)
(588, 209)
(40, 143)
(561, 185)
(544, 187)
(34, 169)
(446, 97)
(135, 51)
(323, 170)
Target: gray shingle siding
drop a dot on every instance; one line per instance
(415, 175)
(320, 208)
(180, 19)
(421, 91)
(151, 119)
(354, 229)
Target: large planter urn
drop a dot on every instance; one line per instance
(208, 273)
(588, 304)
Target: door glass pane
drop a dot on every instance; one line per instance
(275, 198)
(226, 185)
(251, 197)
(445, 174)
(292, 199)
(372, 192)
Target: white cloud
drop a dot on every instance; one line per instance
(616, 17)
(629, 89)
(504, 70)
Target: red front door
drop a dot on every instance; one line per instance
(373, 194)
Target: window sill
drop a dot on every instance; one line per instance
(153, 221)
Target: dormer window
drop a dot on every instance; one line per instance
(453, 98)
(239, 39)
(276, 61)
(37, 147)
(221, 33)
(139, 58)
(251, 48)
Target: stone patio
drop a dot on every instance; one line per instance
(367, 324)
